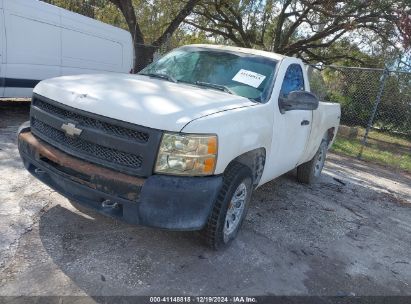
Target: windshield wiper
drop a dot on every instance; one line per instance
(160, 75)
(214, 86)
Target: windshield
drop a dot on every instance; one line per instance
(237, 73)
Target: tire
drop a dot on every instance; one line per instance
(226, 218)
(310, 171)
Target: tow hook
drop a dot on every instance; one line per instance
(109, 204)
(39, 171)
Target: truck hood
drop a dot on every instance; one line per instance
(138, 99)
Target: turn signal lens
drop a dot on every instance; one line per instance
(212, 145)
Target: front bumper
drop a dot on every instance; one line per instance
(167, 202)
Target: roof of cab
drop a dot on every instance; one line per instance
(242, 50)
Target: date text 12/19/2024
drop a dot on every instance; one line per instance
(203, 299)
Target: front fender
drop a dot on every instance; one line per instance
(239, 131)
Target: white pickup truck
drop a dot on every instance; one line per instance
(183, 144)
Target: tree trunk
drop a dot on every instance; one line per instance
(143, 56)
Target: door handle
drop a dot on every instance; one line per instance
(305, 123)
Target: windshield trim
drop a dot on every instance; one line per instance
(272, 84)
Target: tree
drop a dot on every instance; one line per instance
(303, 28)
(144, 52)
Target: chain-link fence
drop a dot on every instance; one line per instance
(375, 111)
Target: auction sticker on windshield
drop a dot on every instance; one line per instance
(249, 78)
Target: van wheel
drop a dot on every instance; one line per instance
(230, 207)
(309, 172)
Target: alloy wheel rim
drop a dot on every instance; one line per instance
(235, 211)
(319, 164)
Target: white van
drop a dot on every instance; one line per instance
(40, 41)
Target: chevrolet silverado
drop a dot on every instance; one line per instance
(183, 144)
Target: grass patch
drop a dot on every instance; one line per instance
(387, 138)
(373, 151)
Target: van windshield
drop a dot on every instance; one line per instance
(236, 73)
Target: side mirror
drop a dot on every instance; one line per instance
(298, 100)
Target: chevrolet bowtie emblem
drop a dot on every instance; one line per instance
(70, 129)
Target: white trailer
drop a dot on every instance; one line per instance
(40, 41)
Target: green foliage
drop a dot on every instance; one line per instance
(151, 23)
(255, 23)
(373, 153)
(316, 31)
(84, 7)
(357, 89)
(101, 10)
(394, 111)
(365, 33)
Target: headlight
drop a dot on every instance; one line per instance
(187, 154)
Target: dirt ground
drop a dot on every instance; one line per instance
(349, 234)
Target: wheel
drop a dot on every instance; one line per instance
(309, 172)
(230, 207)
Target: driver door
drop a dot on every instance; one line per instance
(292, 128)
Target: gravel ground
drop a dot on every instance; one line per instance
(348, 234)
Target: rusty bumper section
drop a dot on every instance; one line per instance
(168, 202)
(96, 177)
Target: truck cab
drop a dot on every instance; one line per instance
(183, 144)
